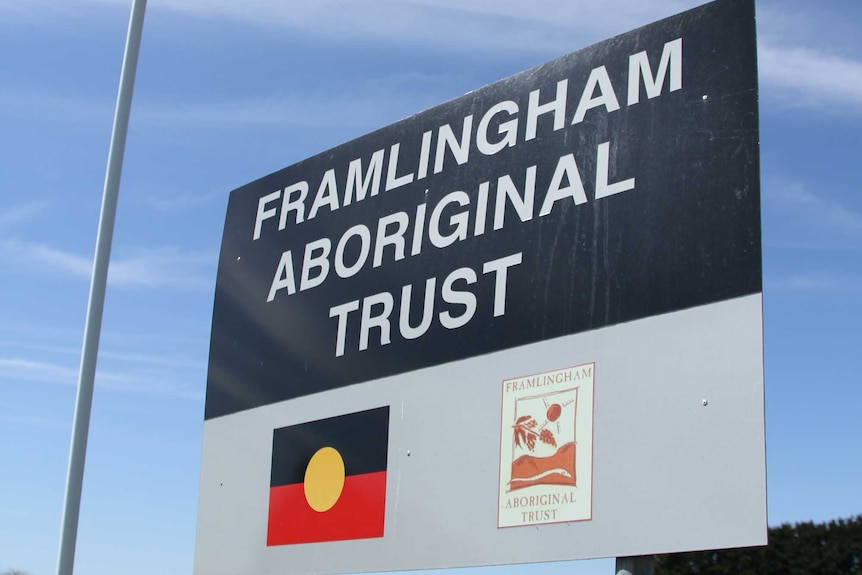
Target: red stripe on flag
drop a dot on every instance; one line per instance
(358, 513)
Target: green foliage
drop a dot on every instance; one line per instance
(833, 548)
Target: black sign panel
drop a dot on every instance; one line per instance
(609, 185)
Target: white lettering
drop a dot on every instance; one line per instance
(327, 194)
(603, 189)
(395, 239)
(458, 221)
(557, 106)
(263, 213)
(467, 299)
(500, 269)
(363, 186)
(360, 231)
(408, 331)
(607, 98)
(341, 312)
(507, 129)
(298, 205)
(393, 181)
(567, 168)
(310, 261)
(446, 138)
(380, 320)
(283, 277)
(523, 205)
(639, 67)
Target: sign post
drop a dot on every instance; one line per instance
(96, 302)
(644, 565)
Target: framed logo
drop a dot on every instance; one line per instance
(546, 447)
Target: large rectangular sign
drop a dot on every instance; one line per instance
(524, 325)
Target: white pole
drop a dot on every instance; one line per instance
(96, 302)
(642, 565)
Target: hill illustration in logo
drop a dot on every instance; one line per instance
(558, 469)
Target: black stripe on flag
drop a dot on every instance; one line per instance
(361, 438)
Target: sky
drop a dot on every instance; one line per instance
(230, 91)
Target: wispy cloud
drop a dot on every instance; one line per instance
(812, 281)
(443, 22)
(156, 360)
(828, 214)
(33, 420)
(11, 216)
(507, 25)
(376, 102)
(797, 75)
(168, 361)
(18, 344)
(802, 77)
(17, 368)
(54, 108)
(816, 282)
(157, 268)
(163, 268)
(127, 380)
(41, 255)
(183, 200)
(160, 384)
(795, 71)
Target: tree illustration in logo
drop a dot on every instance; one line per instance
(542, 461)
(526, 434)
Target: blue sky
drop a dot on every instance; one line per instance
(227, 92)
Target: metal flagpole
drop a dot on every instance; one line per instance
(96, 302)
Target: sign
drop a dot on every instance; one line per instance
(524, 325)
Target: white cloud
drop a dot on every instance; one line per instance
(269, 112)
(797, 75)
(811, 282)
(54, 108)
(374, 103)
(148, 383)
(160, 268)
(10, 217)
(33, 420)
(45, 257)
(156, 360)
(456, 23)
(163, 268)
(610, 16)
(127, 379)
(796, 71)
(805, 77)
(17, 368)
(508, 25)
(826, 213)
(39, 347)
(109, 354)
(182, 200)
(817, 281)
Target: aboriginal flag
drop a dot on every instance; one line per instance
(328, 479)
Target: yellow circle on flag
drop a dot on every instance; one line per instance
(324, 479)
